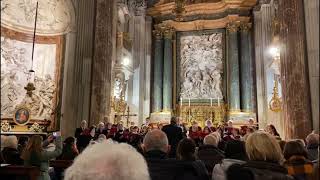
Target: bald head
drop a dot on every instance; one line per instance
(156, 140)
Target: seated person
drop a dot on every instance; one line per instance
(10, 153)
(69, 150)
(156, 149)
(119, 162)
(209, 152)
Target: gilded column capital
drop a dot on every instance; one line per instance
(232, 26)
(168, 32)
(245, 26)
(157, 34)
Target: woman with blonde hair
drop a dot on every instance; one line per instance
(35, 155)
(264, 154)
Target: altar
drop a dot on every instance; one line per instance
(200, 72)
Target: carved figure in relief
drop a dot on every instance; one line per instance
(201, 66)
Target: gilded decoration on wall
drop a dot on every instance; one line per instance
(275, 103)
(201, 66)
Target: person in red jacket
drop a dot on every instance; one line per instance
(195, 133)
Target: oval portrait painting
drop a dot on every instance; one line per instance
(22, 116)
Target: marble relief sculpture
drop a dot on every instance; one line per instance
(15, 62)
(201, 66)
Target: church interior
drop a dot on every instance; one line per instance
(139, 63)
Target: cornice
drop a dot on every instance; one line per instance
(204, 24)
(202, 8)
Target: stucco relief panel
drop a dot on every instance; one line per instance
(15, 63)
(201, 66)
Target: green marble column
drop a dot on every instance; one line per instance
(156, 97)
(246, 69)
(167, 71)
(233, 66)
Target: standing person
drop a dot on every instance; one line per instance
(22, 143)
(69, 150)
(81, 129)
(195, 133)
(100, 129)
(174, 134)
(210, 125)
(35, 155)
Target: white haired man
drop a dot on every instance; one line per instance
(120, 162)
(313, 146)
(80, 130)
(10, 151)
(156, 148)
(209, 152)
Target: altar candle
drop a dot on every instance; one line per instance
(210, 101)
(180, 102)
(189, 102)
(218, 101)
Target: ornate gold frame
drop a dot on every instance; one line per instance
(15, 112)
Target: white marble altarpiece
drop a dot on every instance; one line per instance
(201, 66)
(15, 64)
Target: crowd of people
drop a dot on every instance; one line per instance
(169, 152)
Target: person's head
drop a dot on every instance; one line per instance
(96, 163)
(12, 142)
(69, 141)
(23, 140)
(294, 148)
(186, 149)
(108, 125)
(84, 124)
(250, 130)
(312, 139)
(34, 145)
(230, 123)
(211, 140)
(251, 121)
(156, 140)
(209, 123)
(261, 146)
(272, 130)
(120, 127)
(206, 130)
(235, 149)
(173, 120)
(135, 129)
(301, 141)
(101, 125)
(101, 138)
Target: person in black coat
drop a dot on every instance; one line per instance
(10, 153)
(81, 129)
(209, 153)
(156, 148)
(174, 134)
(264, 155)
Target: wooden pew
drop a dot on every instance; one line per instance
(59, 167)
(12, 172)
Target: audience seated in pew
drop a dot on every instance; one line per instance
(209, 152)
